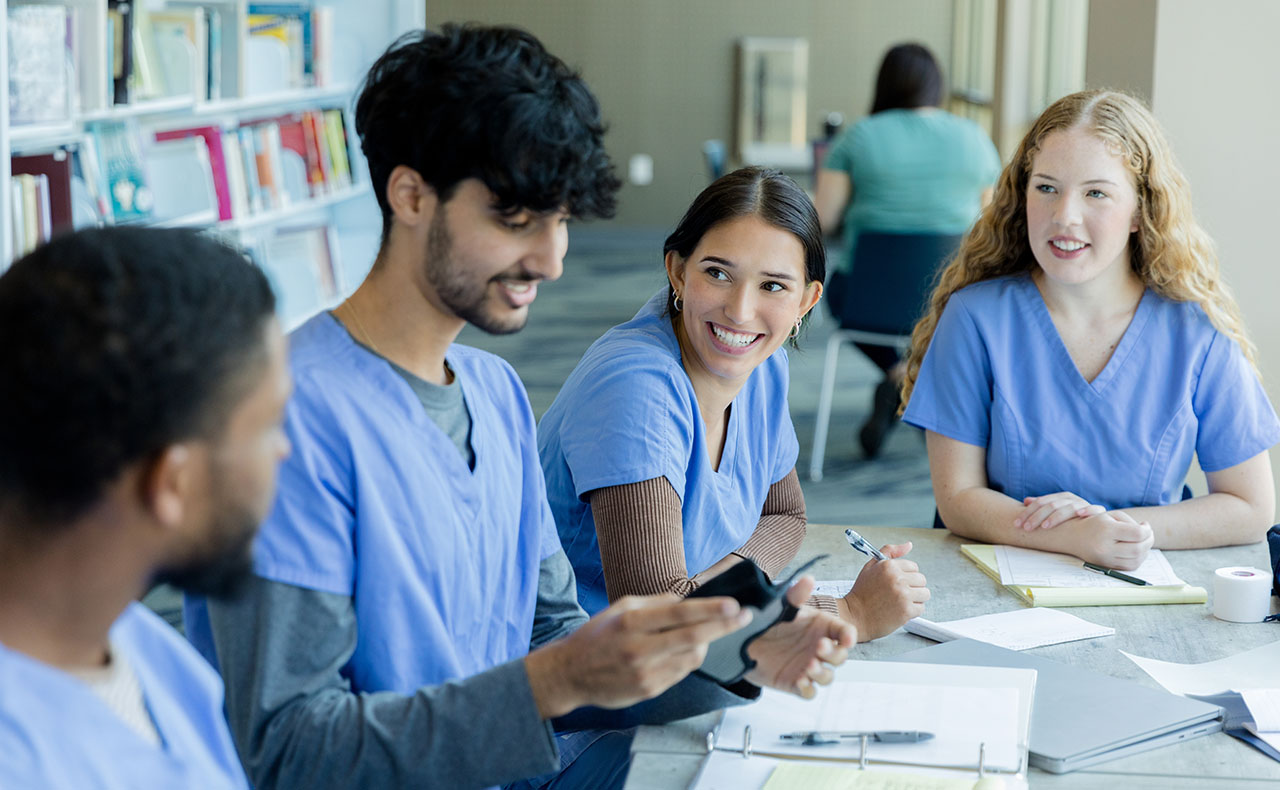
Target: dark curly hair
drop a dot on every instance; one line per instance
(488, 103)
(114, 343)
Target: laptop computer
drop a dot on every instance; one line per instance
(1067, 730)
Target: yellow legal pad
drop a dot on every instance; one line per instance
(984, 556)
(799, 776)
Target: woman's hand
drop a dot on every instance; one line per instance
(886, 594)
(1050, 510)
(796, 655)
(1114, 539)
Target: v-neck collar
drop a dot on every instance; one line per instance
(1040, 316)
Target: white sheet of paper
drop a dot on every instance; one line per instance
(961, 718)
(1251, 669)
(1264, 706)
(836, 588)
(1018, 629)
(1031, 568)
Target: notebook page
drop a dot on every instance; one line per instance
(960, 717)
(1020, 629)
(1031, 568)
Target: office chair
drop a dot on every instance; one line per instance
(878, 304)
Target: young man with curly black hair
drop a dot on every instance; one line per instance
(413, 621)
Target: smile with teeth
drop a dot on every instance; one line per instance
(1068, 246)
(517, 286)
(734, 339)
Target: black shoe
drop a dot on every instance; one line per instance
(884, 415)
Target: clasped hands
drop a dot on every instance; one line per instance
(1108, 537)
(642, 645)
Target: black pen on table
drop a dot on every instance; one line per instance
(1124, 577)
(861, 544)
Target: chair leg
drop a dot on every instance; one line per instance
(822, 423)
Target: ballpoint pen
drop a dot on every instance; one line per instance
(860, 543)
(1124, 577)
(826, 737)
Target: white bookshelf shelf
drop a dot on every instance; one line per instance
(360, 29)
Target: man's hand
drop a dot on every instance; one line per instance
(886, 594)
(795, 655)
(636, 649)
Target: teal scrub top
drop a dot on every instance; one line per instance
(920, 171)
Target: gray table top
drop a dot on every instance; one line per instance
(669, 756)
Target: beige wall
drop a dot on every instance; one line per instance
(1122, 45)
(1214, 91)
(1212, 85)
(663, 69)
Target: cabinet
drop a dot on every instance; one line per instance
(229, 80)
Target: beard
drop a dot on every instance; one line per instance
(463, 296)
(224, 564)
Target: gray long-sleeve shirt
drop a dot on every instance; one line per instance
(298, 723)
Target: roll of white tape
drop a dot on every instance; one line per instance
(1241, 595)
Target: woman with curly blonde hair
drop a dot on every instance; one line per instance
(1082, 346)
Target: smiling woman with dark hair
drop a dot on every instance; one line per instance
(669, 453)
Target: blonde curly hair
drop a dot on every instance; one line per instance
(1170, 253)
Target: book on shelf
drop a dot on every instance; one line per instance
(122, 170)
(336, 134)
(41, 48)
(181, 40)
(55, 167)
(212, 136)
(302, 267)
(32, 223)
(182, 180)
(120, 49)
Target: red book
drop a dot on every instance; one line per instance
(293, 137)
(217, 162)
(56, 167)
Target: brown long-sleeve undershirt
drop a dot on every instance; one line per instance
(640, 529)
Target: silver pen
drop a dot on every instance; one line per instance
(827, 737)
(860, 543)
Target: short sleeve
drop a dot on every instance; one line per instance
(1236, 420)
(840, 157)
(953, 391)
(785, 444)
(307, 540)
(630, 421)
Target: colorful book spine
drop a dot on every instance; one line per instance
(217, 162)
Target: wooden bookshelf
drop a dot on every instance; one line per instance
(345, 212)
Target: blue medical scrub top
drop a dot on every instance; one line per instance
(997, 375)
(628, 414)
(56, 734)
(376, 503)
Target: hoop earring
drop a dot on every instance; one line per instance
(795, 330)
(677, 303)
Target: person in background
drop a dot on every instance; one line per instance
(669, 453)
(412, 620)
(1082, 346)
(909, 167)
(142, 382)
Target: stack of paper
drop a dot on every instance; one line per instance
(1101, 591)
(1020, 629)
(972, 714)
